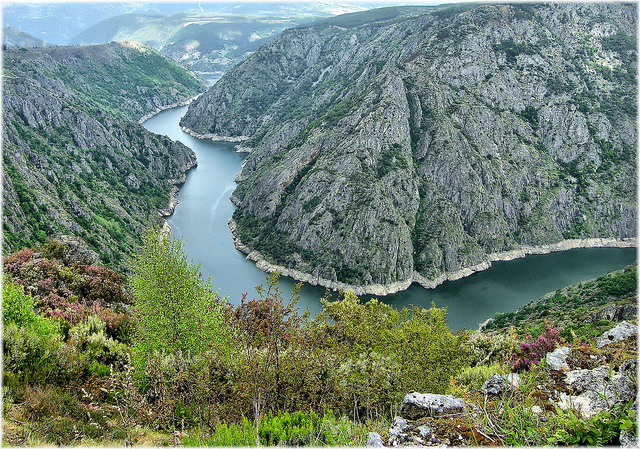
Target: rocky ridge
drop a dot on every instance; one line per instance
(74, 160)
(409, 146)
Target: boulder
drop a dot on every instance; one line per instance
(513, 381)
(557, 359)
(374, 440)
(398, 431)
(495, 385)
(622, 331)
(418, 405)
(77, 249)
(598, 389)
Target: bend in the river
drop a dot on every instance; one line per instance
(204, 208)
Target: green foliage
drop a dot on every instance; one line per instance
(177, 312)
(17, 308)
(308, 429)
(530, 114)
(28, 356)
(90, 338)
(512, 49)
(475, 377)
(600, 429)
(391, 159)
(488, 349)
(225, 435)
(385, 352)
(619, 42)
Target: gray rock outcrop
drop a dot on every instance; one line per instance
(622, 331)
(374, 440)
(418, 405)
(599, 389)
(75, 161)
(495, 385)
(557, 359)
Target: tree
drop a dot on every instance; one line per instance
(175, 309)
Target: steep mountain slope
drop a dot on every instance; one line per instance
(13, 37)
(400, 145)
(73, 160)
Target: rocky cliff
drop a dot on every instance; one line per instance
(74, 161)
(403, 144)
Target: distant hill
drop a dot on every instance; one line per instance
(13, 37)
(75, 161)
(204, 42)
(56, 23)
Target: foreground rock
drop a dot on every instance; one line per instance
(587, 380)
(622, 331)
(417, 405)
(558, 359)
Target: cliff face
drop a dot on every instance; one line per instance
(402, 142)
(73, 161)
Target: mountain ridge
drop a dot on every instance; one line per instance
(428, 142)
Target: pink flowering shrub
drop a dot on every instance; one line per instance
(71, 290)
(532, 351)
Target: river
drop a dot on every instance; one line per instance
(200, 220)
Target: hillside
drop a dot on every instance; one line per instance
(408, 145)
(74, 160)
(13, 37)
(204, 42)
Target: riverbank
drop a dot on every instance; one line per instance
(215, 137)
(173, 194)
(159, 109)
(395, 287)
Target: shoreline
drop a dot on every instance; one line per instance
(214, 137)
(175, 188)
(159, 109)
(395, 287)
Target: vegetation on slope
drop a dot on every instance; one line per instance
(583, 310)
(74, 161)
(83, 374)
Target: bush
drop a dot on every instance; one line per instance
(484, 348)
(17, 308)
(533, 351)
(308, 429)
(175, 309)
(603, 428)
(475, 377)
(90, 338)
(28, 356)
(226, 435)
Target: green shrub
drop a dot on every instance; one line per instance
(308, 429)
(176, 310)
(90, 338)
(487, 349)
(226, 435)
(17, 308)
(28, 356)
(603, 428)
(475, 377)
